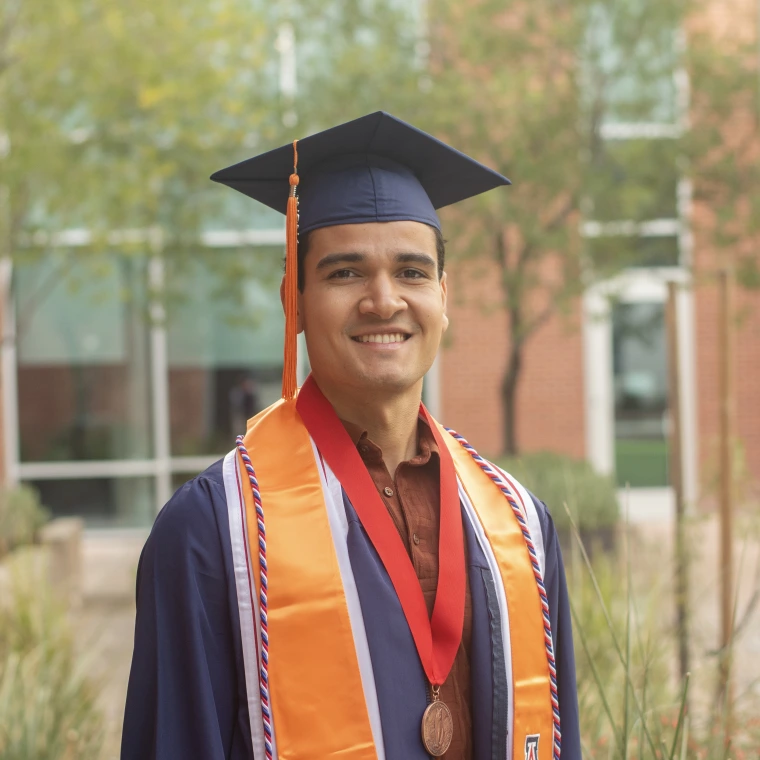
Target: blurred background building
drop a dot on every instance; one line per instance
(132, 357)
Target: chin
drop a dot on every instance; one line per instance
(395, 382)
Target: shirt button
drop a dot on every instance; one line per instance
(388, 491)
(364, 448)
(416, 539)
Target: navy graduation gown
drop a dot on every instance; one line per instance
(187, 699)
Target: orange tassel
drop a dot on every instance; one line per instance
(290, 359)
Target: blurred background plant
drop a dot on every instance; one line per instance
(631, 702)
(47, 705)
(557, 480)
(21, 517)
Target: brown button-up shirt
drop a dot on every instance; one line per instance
(412, 497)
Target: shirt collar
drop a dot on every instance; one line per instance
(426, 444)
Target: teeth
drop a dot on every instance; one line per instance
(386, 338)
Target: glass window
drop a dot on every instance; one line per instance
(641, 394)
(83, 358)
(633, 179)
(103, 502)
(180, 478)
(610, 253)
(225, 338)
(630, 56)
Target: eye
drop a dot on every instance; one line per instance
(341, 274)
(413, 274)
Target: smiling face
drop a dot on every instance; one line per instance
(373, 308)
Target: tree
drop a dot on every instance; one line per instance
(723, 143)
(113, 116)
(528, 89)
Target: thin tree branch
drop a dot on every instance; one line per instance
(543, 317)
(40, 293)
(560, 217)
(7, 26)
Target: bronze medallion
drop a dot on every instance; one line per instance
(437, 728)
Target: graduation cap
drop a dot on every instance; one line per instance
(374, 169)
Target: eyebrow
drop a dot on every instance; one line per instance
(339, 258)
(423, 259)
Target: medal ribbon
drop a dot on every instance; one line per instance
(437, 638)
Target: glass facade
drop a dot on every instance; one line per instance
(83, 353)
(637, 239)
(102, 502)
(641, 394)
(224, 343)
(118, 406)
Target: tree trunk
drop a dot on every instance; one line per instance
(509, 394)
(514, 360)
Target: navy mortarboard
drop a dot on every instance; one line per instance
(373, 169)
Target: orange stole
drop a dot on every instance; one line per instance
(530, 669)
(315, 685)
(311, 646)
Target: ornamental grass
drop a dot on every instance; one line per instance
(633, 705)
(47, 705)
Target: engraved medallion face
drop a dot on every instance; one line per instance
(437, 729)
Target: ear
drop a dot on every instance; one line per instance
(299, 320)
(444, 300)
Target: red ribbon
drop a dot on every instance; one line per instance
(437, 638)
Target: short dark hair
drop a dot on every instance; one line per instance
(303, 249)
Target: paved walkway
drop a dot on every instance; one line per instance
(105, 624)
(704, 592)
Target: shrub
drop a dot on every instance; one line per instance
(47, 706)
(632, 705)
(558, 480)
(21, 516)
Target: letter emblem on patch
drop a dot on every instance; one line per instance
(531, 746)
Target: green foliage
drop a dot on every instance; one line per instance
(529, 88)
(558, 480)
(131, 111)
(355, 58)
(721, 146)
(631, 705)
(21, 516)
(620, 640)
(47, 707)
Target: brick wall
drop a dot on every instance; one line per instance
(746, 371)
(53, 400)
(550, 411)
(730, 23)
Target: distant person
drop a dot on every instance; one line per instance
(352, 581)
(244, 404)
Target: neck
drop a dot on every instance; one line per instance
(389, 419)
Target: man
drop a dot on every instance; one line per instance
(353, 581)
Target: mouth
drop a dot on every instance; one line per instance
(397, 337)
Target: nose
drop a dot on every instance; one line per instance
(382, 297)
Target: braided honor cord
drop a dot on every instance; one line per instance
(498, 480)
(264, 652)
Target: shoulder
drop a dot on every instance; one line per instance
(528, 499)
(191, 526)
(537, 512)
(544, 514)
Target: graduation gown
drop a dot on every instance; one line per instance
(187, 694)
